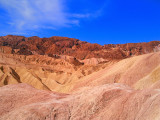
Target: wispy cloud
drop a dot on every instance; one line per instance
(45, 14)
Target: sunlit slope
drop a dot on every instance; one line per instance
(64, 75)
(105, 102)
(151, 80)
(138, 72)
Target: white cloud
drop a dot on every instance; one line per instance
(81, 15)
(35, 14)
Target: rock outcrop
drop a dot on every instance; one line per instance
(76, 48)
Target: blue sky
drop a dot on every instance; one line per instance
(102, 22)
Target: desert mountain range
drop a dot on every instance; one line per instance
(60, 78)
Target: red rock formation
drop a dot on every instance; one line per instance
(6, 50)
(76, 48)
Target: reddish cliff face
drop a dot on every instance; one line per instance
(74, 47)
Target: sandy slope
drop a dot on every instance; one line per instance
(43, 72)
(138, 72)
(105, 102)
(62, 75)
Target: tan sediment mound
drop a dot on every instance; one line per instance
(56, 73)
(94, 61)
(138, 72)
(106, 102)
(151, 80)
(62, 74)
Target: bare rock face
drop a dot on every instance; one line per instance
(6, 50)
(106, 102)
(76, 48)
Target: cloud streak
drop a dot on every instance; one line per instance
(40, 14)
